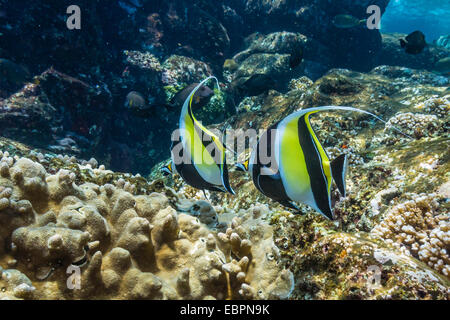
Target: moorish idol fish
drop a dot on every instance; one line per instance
(198, 155)
(299, 168)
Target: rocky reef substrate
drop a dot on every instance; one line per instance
(131, 237)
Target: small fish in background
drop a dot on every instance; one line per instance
(201, 96)
(414, 43)
(443, 66)
(300, 170)
(256, 85)
(12, 72)
(230, 65)
(135, 100)
(296, 57)
(346, 21)
(139, 106)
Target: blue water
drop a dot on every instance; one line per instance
(432, 17)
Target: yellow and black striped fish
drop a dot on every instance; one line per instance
(198, 155)
(299, 169)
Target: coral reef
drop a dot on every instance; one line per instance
(136, 238)
(269, 54)
(386, 172)
(113, 227)
(157, 48)
(126, 245)
(362, 269)
(394, 55)
(182, 70)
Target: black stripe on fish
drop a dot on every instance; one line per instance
(269, 185)
(226, 182)
(189, 173)
(318, 180)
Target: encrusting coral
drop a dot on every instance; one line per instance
(126, 245)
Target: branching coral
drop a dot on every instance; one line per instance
(415, 124)
(436, 105)
(420, 229)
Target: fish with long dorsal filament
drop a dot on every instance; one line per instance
(288, 164)
(198, 155)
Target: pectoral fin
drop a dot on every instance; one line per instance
(339, 171)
